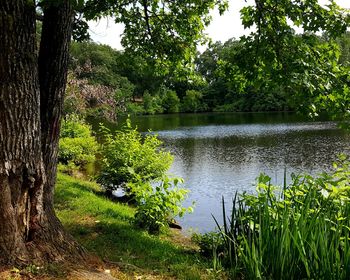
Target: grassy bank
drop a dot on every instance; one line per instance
(105, 229)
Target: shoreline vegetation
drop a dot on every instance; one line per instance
(295, 231)
(106, 228)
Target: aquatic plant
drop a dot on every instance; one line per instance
(299, 231)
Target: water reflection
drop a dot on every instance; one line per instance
(174, 121)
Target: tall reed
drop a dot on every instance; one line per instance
(300, 231)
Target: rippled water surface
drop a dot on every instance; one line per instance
(219, 154)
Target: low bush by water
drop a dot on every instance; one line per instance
(77, 145)
(131, 161)
(139, 165)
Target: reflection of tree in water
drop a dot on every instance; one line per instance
(176, 121)
(310, 151)
(184, 151)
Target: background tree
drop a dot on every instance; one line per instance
(227, 85)
(304, 65)
(344, 44)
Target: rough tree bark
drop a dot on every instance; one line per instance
(30, 231)
(22, 175)
(53, 67)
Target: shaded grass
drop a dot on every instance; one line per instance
(105, 228)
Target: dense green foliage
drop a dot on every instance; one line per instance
(77, 145)
(298, 232)
(152, 103)
(227, 87)
(109, 83)
(160, 40)
(158, 203)
(138, 165)
(170, 101)
(272, 69)
(192, 101)
(344, 44)
(304, 65)
(166, 33)
(127, 156)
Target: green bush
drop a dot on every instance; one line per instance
(209, 243)
(170, 101)
(77, 145)
(192, 101)
(152, 104)
(157, 205)
(127, 157)
(77, 150)
(74, 127)
(300, 231)
(134, 109)
(139, 165)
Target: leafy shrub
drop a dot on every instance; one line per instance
(134, 109)
(139, 165)
(170, 101)
(77, 145)
(152, 104)
(298, 232)
(77, 150)
(74, 127)
(156, 206)
(209, 243)
(192, 101)
(127, 157)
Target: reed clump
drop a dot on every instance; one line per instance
(298, 231)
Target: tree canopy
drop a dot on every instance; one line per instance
(305, 65)
(164, 31)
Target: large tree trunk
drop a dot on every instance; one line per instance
(29, 230)
(53, 66)
(22, 176)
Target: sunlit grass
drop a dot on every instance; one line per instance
(105, 228)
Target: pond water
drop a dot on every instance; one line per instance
(219, 154)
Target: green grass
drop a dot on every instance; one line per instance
(105, 228)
